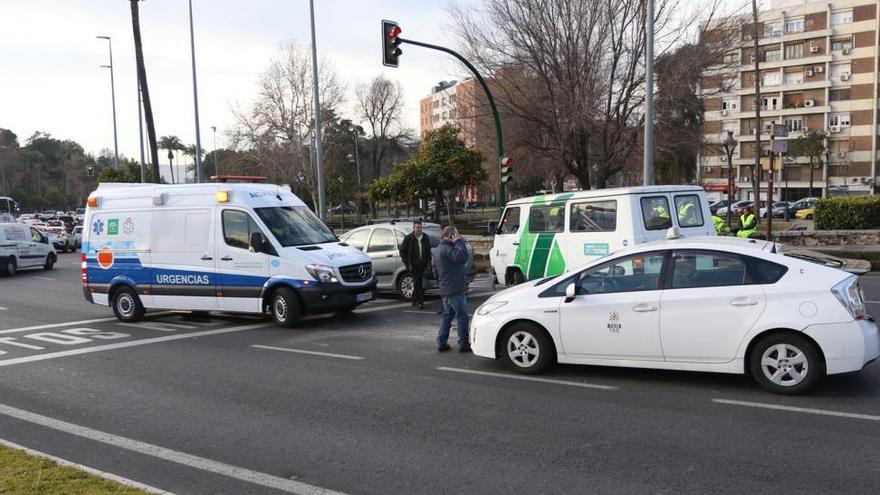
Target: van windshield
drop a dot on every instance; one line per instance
(295, 225)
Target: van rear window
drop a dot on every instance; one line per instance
(547, 218)
(655, 212)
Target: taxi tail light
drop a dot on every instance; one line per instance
(849, 294)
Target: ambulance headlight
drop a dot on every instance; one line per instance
(322, 273)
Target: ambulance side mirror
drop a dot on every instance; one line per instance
(257, 243)
(570, 292)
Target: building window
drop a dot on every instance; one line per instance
(794, 124)
(772, 29)
(729, 125)
(436, 103)
(839, 120)
(841, 17)
(730, 104)
(772, 55)
(773, 78)
(839, 94)
(730, 58)
(794, 26)
(770, 103)
(452, 114)
(794, 77)
(841, 44)
(451, 99)
(795, 50)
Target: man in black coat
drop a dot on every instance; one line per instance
(415, 250)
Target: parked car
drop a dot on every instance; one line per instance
(801, 204)
(22, 246)
(805, 213)
(735, 209)
(638, 309)
(715, 205)
(382, 241)
(778, 207)
(77, 236)
(342, 208)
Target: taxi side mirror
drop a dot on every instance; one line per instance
(257, 243)
(570, 292)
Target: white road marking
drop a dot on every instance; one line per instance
(303, 351)
(133, 343)
(223, 469)
(3, 308)
(529, 378)
(806, 410)
(71, 323)
(409, 304)
(50, 279)
(158, 325)
(873, 302)
(87, 469)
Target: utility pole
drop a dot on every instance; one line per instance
(113, 99)
(648, 165)
(756, 177)
(192, 44)
(319, 147)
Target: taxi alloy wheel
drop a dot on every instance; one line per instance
(285, 307)
(786, 364)
(406, 286)
(527, 348)
(127, 305)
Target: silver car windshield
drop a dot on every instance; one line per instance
(295, 225)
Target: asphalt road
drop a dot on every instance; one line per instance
(364, 404)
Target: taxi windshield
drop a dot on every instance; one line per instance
(295, 225)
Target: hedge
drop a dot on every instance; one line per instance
(854, 213)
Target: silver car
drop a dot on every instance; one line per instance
(381, 242)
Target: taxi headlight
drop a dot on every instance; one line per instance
(490, 306)
(322, 273)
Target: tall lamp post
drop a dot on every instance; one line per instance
(214, 130)
(827, 171)
(787, 162)
(113, 99)
(729, 145)
(192, 43)
(357, 164)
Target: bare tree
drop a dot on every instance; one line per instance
(279, 124)
(380, 104)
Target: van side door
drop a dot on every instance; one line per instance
(182, 258)
(241, 271)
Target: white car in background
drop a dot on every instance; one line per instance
(77, 236)
(717, 304)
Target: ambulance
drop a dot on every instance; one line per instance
(235, 247)
(548, 234)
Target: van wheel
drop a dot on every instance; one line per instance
(516, 277)
(127, 305)
(50, 262)
(526, 348)
(285, 307)
(406, 286)
(11, 266)
(785, 363)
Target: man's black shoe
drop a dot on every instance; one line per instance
(443, 348)
(464, 348)
(421, 305)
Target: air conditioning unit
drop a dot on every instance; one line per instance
(752, 58)
(841, 154)
(753, 131)
(809, 103)
(820, 69)
(814, 49)
(866, 181)
(834, 129)
(809, 72)
(844, 77)
(777, 32)
(723, 159)
(723, 112)
(747, 37)
(847, 51)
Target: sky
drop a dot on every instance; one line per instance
(51, 80)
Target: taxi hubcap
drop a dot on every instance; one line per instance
(785, 365)
(523, 349)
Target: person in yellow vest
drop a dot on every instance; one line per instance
(686, 215)
(749, 223)
(720, 226)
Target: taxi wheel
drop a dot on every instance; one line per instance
(285, 307)
(11, 266)
(406, 286)
(526, 348)
(786, 364)
(50, 262)
(127, 305)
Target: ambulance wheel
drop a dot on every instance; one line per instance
(127, 305)
(285, 307)
(11, 266)
(50, 262)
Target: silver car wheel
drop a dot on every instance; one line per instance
(785, 365)
(523, 349)
(407, 286)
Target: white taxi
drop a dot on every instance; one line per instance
(716, 304)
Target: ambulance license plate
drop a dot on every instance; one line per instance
(366, 296)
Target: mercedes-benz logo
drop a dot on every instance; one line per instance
(362, 271)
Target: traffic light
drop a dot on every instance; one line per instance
(390, 43)
(90, 170)
(506, 165)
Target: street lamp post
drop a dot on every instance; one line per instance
(192, 43)
(729, 145)
(214, 130)
(827, 171)
(319, 144)
(113, 99)
(357, 164)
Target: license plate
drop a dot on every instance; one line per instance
(366, 296)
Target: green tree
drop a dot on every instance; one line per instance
(128, 171)
(171, 144)
(809, 145)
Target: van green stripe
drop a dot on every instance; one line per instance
(534, 254)
(540, 255)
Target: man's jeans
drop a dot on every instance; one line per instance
(454, 306)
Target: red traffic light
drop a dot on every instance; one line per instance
(394, 32)
(506, 161)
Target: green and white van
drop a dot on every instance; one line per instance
(546, 235)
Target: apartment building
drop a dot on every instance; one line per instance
(819, 71)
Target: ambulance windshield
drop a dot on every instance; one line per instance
(295, 225)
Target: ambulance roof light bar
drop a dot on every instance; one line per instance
(237, 178)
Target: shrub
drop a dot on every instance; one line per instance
(862, 212)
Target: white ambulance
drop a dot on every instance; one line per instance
(548, 234)
(238, 247)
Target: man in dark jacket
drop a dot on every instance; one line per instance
(451, 266)
(415, 250)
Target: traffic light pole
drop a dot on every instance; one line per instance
(502, 194)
